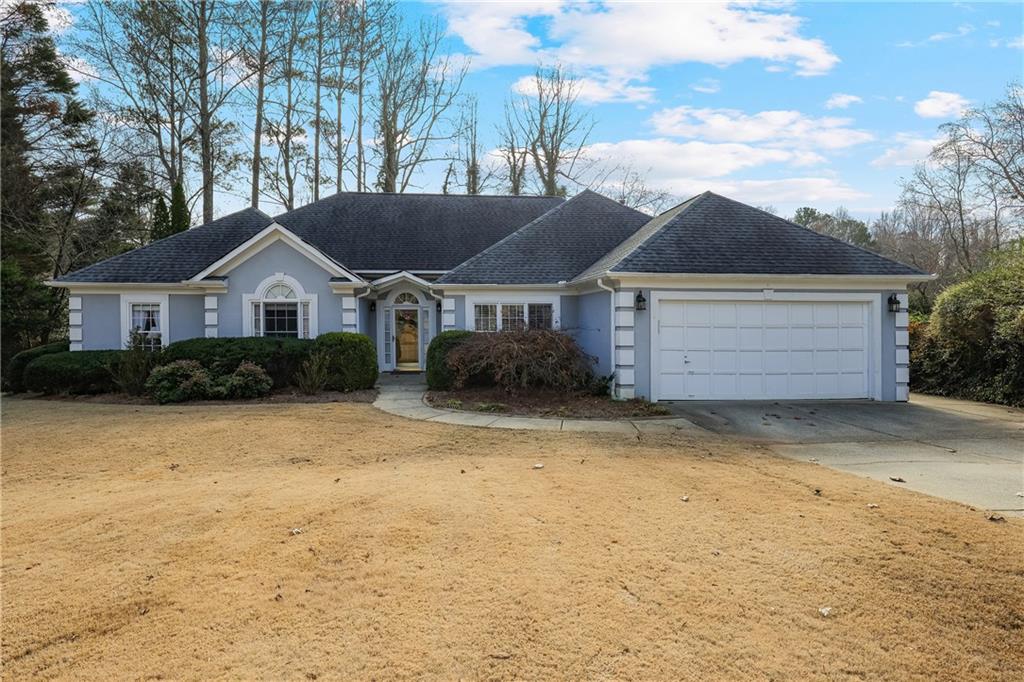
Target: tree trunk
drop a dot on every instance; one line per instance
(205, 116)
(257, 137)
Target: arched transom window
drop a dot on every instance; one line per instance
(405, 298)
(280, 307)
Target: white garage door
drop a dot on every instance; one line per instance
(722, 350)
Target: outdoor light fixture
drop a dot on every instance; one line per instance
(641, 302)
(438, 306)
(373, 306)
(894, 303)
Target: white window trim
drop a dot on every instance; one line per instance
(259, 296)
(386, 307)
(513, 298)
(874, 301)
(127, 300)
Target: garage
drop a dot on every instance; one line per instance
(761, 349)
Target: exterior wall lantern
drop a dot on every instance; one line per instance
(894, 303)
(373, 306)
(641, 302)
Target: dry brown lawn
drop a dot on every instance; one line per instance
(156, 542)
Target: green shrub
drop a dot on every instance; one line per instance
(515, 360)
(351, 360)
(439, 377)
(132, 369)
(972, 346)
(77, 373)
(179, 381)
(312, 376)
(14, 375)
(248, 381)
(279, 357)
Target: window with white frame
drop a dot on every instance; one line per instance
(405, 298)
(491, 317)
(145, 323)
(281, 309)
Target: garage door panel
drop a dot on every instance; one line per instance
(772, 349)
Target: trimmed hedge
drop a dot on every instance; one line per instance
(351, 360)
(179, 381)
(15, 374)
(78, 373)
(279, 357)
(972, 346)
(439, 376)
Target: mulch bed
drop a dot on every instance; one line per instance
(280, 396)
(543, 403)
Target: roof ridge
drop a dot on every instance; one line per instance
(820, 234)
(682, 207)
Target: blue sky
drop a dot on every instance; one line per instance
(781, 103)
(773, 103)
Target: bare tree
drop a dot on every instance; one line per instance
(556, 129)
(288, 113)
(630, 188)
(469, 154)
(416, 85)
(262, 31)
(141, 54)
(513, 150)
(343, 14)
(217, 58)
(371, 21)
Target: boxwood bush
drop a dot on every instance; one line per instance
(439, 376)
(351, 360)
(14, 375)
(78, 373)
(279, 357)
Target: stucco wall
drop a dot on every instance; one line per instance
(278, 257)
(186, 316)
(593, 328)
(101, 322)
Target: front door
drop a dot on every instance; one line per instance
(407, 339)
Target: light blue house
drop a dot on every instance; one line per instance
(712, 299)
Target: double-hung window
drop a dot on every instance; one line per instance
(145, 322)
(513, 316)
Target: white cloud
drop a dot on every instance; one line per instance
(592, 91)
(906, 151)
(708, 86)
(789, 129)
(939, 104)
(841, 101)
(961, 31)
(622, 42)
(672, 162)
(80, 70)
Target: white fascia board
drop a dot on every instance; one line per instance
(76, 288)
(470, 288)
(402, 276)
(264, 238)
(756, 281)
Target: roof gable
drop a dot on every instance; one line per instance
(178, 257)
(711, 234)
(555, 247)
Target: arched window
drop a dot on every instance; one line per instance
(405, 298)
(280, 307)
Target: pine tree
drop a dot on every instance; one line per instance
(180, 217)
(161, 225)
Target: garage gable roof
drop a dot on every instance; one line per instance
(710, 234)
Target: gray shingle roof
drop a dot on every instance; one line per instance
(415, 232)
(555, 247)
(179, 256)
(712, 234)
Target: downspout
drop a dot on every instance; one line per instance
(611, 325)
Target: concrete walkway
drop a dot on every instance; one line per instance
(402, 395)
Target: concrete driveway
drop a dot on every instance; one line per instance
(960, 450)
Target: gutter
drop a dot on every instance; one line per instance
(611, 329)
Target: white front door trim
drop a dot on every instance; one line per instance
(874, 301)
